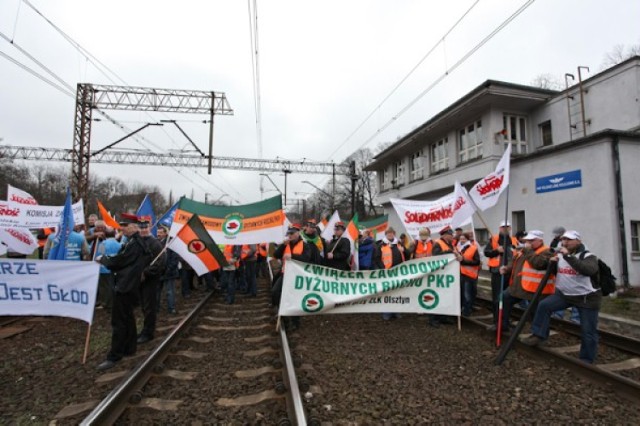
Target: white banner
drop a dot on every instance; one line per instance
(427, 285)
(486, 191)
(18, 196)
(16, 215)
(434, 215)
(20, 240)
(42, 287)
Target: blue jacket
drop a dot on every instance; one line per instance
(365, 253)
(108, 247)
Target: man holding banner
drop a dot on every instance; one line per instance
(295, 248)
(127, 267)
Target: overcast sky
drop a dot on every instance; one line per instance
(324, 68)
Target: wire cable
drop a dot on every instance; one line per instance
(395, 89)
(38, 75)
(449, 70)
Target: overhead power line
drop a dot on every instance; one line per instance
(395, 89)
(100, 66)
(449, 70)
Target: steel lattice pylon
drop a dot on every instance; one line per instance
(147, 158)
(89, 97)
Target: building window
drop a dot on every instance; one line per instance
(518, 221)
(545, 132)
(397, 175)
(385, 179)
(417, 165)
(470, 142)
(515, 131)
(635, 238)
(439, 156)
(482, 236)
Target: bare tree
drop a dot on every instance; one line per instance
(547, 81)
(619, 54)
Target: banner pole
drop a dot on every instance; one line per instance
(160, 254)
(503, 263)
(459, 323)
(86, 344)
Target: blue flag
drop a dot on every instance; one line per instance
(167, 218)
(145, 211)
(59, 249)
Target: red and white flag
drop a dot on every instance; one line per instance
(463, 208)
(20, 240)
(18, 196)
(485, 193)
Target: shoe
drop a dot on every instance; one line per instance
(144, 339)
(106, 365)
(173, 311)
(532, 340)
(493, 327)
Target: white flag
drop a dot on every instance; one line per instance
(485, 193)
(327, 234)
(19, 240)
(463, 208)
(18, 196)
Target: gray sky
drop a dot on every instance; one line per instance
(324, 67)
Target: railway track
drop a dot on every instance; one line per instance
(219, 363)
(225, 363)
(618, 364)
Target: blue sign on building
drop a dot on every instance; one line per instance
(567, 180)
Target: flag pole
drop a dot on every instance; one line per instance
(86, 344)
(166, 246)
(503, 262)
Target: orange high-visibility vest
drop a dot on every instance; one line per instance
(387, 255)
(470, 271)
(423, 248)
(444, 246)
(532, 277)
(228, 254)
(246, 249)
(297, 250)
(494, 262)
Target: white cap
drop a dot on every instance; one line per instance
(572, 235)
(505, 223)
(534, 235)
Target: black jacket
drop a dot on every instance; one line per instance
(171, 271)
(128, 265)
(341, 249)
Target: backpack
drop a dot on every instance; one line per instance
(604, 278)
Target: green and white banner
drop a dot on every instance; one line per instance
(427, 285)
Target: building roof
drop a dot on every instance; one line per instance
(491, 92)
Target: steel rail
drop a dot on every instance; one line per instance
(624, 343)
(294, 404)
(623, 386)
(116, 402)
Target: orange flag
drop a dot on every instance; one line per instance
(108, 220)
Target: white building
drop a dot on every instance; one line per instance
(581, 174)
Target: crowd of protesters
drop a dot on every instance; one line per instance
(136, 270)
